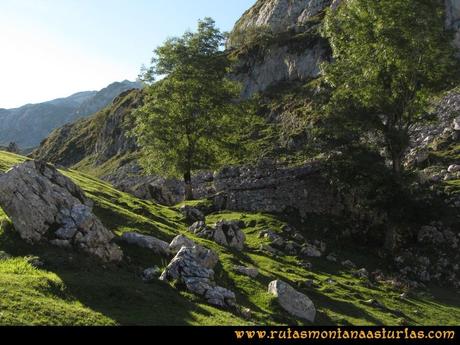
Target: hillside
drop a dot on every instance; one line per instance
(27, 126)
(69, 289)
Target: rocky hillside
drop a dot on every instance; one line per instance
(182, 266)
(27, 126)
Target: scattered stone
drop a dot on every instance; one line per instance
(294, 302)
(246, 313)
(186, 267)
(330, 281)
(348, 264)
(291, 248)
(45, 205)
(61, 243)
(156, 245)
(192, 214)
(4, 255)
(310, 251)
(456, 124)
(331, 257)
(269, 249)
(35, 261)
(361, 273)
(454, 168)
(150, 274)
(374, 303)
(306, 265)
(197, 227)
(247, 271)
(205, 257)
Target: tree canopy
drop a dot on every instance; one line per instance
(190, 114)
(389, 56)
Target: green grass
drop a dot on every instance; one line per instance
(71, 289)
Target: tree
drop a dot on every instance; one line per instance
(189, 114)
(389, 56)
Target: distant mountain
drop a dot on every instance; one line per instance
(28, 125)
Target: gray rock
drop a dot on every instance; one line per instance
(204, 256)
(150, 274)
(294, 302)
(348, 264)
(197, 227)
(247, 271)
(186, 268)
(331, 258)
(454, 168)
(192, 214)
(38, 198)
(229, 234)
(456, 124)
(156, 245)
(311, 251)
(361, 273)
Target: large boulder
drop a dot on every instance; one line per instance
(44, 205)
(156, 245)
(204, 256)
(229, 234)
(294, 302)
(187, 269)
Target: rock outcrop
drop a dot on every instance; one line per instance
(292, 48)
(294, 302)
(44, 205)
(225, 233)
(193, 267)
(154, 244)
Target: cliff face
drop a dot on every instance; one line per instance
(278, 41)
(280, 15)
(453, 19)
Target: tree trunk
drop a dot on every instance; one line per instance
(188, 186)
(396, 158)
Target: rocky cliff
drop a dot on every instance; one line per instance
(278, 41)
(27, 126)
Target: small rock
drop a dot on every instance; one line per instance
(361, 273)
(247, 271)
(453, 168)
(154, 244)
(246, 313)
(374, 303)
(35, 261)
(306, 265)
(331, 258)
(150, 274)
(4, 255)
(197, 227)
(348, 264)
(311, 251)
(294, 302)
(192, 214)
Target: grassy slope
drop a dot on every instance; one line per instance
(71, 289)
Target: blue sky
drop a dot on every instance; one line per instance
(53, 48)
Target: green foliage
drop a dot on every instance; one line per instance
(389, 56)
(189, 117)
(72, 289)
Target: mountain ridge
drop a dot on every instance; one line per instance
(29, 124)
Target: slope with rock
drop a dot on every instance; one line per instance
(64, 287)
(27, 126)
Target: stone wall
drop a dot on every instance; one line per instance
(268, 188)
